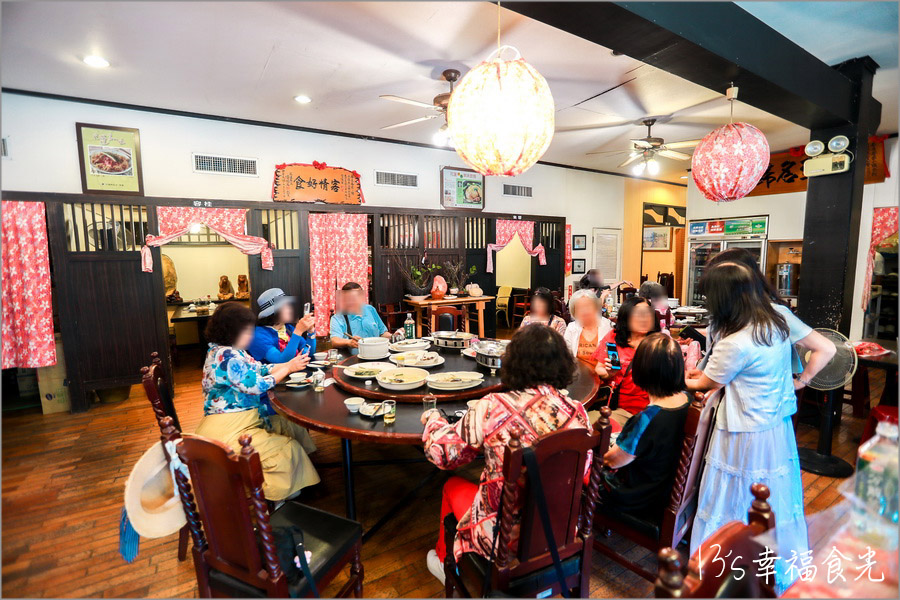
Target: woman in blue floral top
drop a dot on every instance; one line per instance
(236, 388)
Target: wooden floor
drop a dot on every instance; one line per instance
(63, 477)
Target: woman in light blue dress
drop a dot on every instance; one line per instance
(753, 437)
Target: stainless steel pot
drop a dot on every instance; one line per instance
(488, 353)
(452, 339)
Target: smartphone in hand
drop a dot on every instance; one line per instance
(307, 308)
(613, 354)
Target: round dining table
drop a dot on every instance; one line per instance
(326, 413)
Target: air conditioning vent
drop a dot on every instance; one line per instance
(225, 165)
(522, 191)
(4, 147)
(389, 179)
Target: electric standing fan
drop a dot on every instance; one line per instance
(831, 380)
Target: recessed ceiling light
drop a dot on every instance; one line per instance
(303, 99)
(98, 62)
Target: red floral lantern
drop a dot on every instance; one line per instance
(501, 116)
(729, 162)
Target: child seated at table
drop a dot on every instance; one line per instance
(643, 460)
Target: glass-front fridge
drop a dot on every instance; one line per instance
(708, 238)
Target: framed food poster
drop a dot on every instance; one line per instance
(110, 159)
(657, 239)
(462, 188)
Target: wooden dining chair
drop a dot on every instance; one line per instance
(503, 299)
(521, 304)
(448, 318)
(624, 293)
(156, 386)
(393, 315)
(526, 570)
(678, 516)
(705, 577)
(234, 548)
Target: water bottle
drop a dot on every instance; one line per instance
(876, 473)
(409, 327)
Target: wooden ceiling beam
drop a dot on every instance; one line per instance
(712, 44)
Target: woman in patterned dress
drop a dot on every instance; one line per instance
(536, 366)
(236, 388)
(541, 312)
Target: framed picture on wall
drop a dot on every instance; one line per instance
(657, 239)
(579, 242)
(462, 188)
(579, 266)
(110, 159)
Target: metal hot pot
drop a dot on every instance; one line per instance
(452, 339)
(489, 352)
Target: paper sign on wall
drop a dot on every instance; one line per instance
(316, 182)
(568, 267)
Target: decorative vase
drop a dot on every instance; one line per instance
(414, 290)
(438, 288)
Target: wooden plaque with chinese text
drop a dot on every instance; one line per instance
(317, 182)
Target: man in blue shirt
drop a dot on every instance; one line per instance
(356, 320)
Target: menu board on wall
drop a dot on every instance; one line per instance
(606, 253)
(756, 227)
(785, 171)
(462, 188)
(316, 182)
(110, 159)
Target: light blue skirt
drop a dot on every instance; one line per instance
(737, 460)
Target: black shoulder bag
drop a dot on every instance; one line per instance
(537, 493)
(349, 330)
(289, 545)
(614, 397)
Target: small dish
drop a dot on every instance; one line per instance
(320, 356)
(354, 404)
(371, 410)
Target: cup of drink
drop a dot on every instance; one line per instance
(390, 411)
(333, 356)
(318, 378)
(429, 402)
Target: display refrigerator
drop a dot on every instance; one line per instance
(708, 237)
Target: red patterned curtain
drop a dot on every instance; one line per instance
(884, 225)
(27, 305)
(175, 221)
(338, 253)
(506, 230)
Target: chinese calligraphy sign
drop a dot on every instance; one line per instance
(316, 182)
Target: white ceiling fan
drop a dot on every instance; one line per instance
(648, 148)
(438, 105)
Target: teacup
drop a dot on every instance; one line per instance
(354, 403)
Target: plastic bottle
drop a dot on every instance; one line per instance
(876, 485)
(409, 327)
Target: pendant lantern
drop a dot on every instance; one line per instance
(729, 162)
(501, 116)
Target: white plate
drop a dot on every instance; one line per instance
(450, 297)
(381, 366)
(385, 355)
(413, 361)
(299, 385)
(317, 363)
(469, 353)
(371, 410)
(416, 377)
(409, 345)
(455, 387)
(472, 379)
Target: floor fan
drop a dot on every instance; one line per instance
(831, 380)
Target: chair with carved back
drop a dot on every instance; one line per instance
(526, 568)
(393, 315)
(156, 386)
(678, 516)
(521, 305)
(232, 528)
(447, 318)
(705, 577)
(625, 292)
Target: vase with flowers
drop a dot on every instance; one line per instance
(416, 276)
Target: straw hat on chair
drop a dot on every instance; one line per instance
(152, 504)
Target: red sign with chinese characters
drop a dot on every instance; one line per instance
(316, 182)
(568, 268)
(715, 227)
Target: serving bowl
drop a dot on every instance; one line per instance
(452, 339)
(403, 378)
(373, 348)
(489, 352)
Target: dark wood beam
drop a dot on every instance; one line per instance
(712, 44)
(833, 208)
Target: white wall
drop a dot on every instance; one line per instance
(787, 212)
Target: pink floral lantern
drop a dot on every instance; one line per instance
(729, 162)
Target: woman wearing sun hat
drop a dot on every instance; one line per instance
(277, 339)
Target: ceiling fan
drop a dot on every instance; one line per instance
(438, 105)
(648, 148)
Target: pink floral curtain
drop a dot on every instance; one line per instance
(506, 230)
(338, 253)
(27, 338)
(175, 221)
(884, 225)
